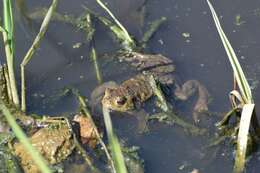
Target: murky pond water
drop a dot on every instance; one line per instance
(188, 37)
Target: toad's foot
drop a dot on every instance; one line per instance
(187, 90)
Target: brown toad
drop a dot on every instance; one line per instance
(137, 89)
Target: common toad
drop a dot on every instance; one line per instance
(137, 89)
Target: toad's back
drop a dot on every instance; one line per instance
(131, 92)
(138, 87)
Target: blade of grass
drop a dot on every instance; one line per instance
(126, 35)
(93, 55)
(158, 92)
(239, 74)
(33, 48)
(154, 26)
(8, 38)
(240, 160)
(114, 144)
(38, 159)
(248, 106)
(9, 22)
(7, 85)
(2, 29)
(87, 113)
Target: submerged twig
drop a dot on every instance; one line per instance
(33, 48)
(172, 118)
(226, 118)
(153, 27)
(40, 13)
(227, 133)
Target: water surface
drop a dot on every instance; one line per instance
(200, 56)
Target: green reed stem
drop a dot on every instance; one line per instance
(8, 37)
(154, 26)
(33, 48)
(237, 69)
(242, 138)
(117, 155)
(87, 113)
(246, 97)
(158, 92)
(93, 55)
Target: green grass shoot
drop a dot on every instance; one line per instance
(33, 48)
(93, 56)
(237, 69)
(130, 42)
(245, 91)
(114, 145)
(8, 37)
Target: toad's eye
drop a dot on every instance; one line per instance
(121, 100)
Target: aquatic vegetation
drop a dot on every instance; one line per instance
(33, 48)
(115, 157)
(93, 55)
(158, 92)
(8, 162)
(128, 41)
(54, 142)
(38, 159)
(88, 115)
(117, 154)
(244, 97)
(153, 27)
(8, 35)
(8, 40)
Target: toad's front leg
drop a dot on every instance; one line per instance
(188, 89)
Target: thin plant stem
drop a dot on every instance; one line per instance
(87, 113)
(117, 155)
(127, 36)
(158, 92)
(85, 155)
(96, 65)
(245, 97)
(237, 69)
(9, 48)
(242, 139)
(33, 48)
(154, 26)
(8, 85)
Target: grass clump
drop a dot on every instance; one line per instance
(243, 95)
(8, 38)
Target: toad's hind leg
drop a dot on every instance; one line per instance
(188, 89)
